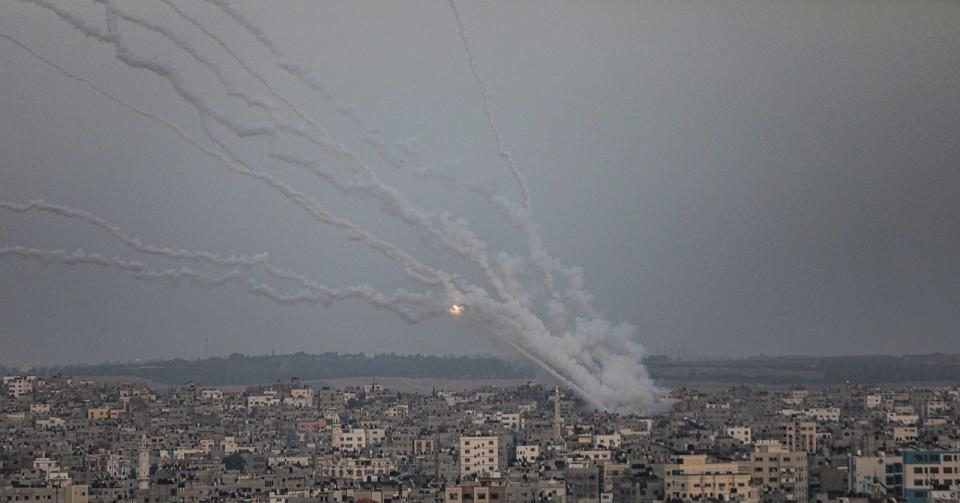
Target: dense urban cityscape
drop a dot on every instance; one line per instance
(75, 440)
(500, 251)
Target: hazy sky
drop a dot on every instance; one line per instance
(734, 177)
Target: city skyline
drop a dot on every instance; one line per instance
(730, 185)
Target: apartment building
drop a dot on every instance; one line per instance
(479, 456)
(692, 477)
(779, 471)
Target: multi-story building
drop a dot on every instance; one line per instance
(692, 477)
(780, 473)
(479, 456)
(799, 436)
(741, 433)
(926, 472)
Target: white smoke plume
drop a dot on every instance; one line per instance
(454, 234)
(410, 266)
(133, 242)
(457, 236)
(558, 330)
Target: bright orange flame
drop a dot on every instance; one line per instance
(455, 310)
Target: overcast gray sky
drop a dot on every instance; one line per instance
(735, 178)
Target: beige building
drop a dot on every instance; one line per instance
(68, 494)
(905, 434)
(98, 413)
(742, 433)
(479, 455)
(18, 386)
(300, 397)
(211, 394)
(691, 477)
(349, 439)
(609, 441)
(528, 453)
(926, 472)
(474, 493)
(424, 446)
(779, 471)
(268, 398)
(867, 475)
(824, 414)
(799, 436)
(359, 469)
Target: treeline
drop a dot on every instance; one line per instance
(878, 369)
(238, 369)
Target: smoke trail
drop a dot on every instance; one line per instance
(205, 256)
(71, 258)
(122, 53)
(522, 217)
(300, 73)
(166, 71)
(313, 292)
(243, 64)
(410, 266)
(467, 244)
(395, 303)
(133, 242)
(454, 234)
(597, 359)
(504, 153)
(142, 272)
(232, 91)
(292, 68)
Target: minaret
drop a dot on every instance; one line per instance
(143, 468)
(556, 415)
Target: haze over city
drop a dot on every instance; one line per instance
(733, 178)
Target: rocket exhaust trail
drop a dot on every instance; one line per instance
(520, 217)
(71, 258)
(410, 266)
(140, 270)
(325, 295)
(176, 276)
(460, 239)
(596, 358)
(293, 69)
(453, 234)
(122, 53)
(243, 64)
(491, 122)
(132, 242)
(466, 245)
(540, 363)
(232, 90)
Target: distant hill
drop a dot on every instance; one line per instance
(239, 369)
(825, 370)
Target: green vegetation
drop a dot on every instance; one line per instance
(239, 369)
